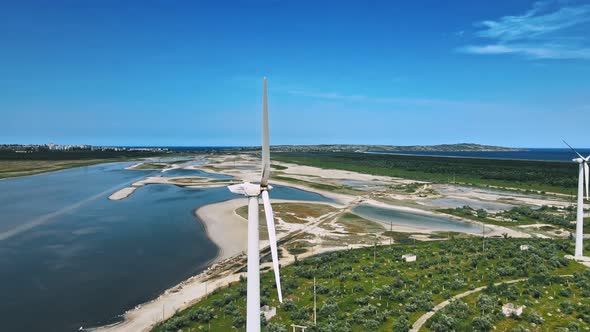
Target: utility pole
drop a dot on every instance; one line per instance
(315, 315)
(390, 233)
(483, 237)
(375, 249)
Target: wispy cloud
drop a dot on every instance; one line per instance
(424, 102)
(549, 30)
(327, 95)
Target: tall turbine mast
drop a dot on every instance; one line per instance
(582, 182)
(253, 191)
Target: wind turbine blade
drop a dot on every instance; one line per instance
(272, 237)
(574, 150)
(586, 174)
(265, 143)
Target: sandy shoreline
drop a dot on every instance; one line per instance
(123, 193)
(229, 232)
(224, 227)
(490, 230)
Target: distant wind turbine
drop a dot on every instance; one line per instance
(582, 180)
(252, 191)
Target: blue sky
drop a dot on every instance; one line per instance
(157, 72)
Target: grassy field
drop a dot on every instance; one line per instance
(375, 290)
(551, 304)
(315, 185)
(356, 224)
(150, 166)
(296, 213)
(14, 168)
(543, 176)
(521, 215)
(21, 164)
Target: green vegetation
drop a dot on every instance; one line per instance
(555, 303)
(278, 167)
(148, 166)
(399, 236)
(298, 247)
(355, 224)
(559, 177)
(14, 164)
(521, 215)
(373, 289)
(14, 168)
(296, 213)
(315, 185)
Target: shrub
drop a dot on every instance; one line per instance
(202, 314)
(275, 327)
(175, 323)
(371, 324)
(239, 321)
(288, 305)
(534, 317)
(482, 323)
(402, 324)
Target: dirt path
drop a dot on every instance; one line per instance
(420, 321)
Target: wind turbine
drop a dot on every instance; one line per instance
(253, 191)
(582, 180)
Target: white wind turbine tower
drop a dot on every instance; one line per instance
(253, 191)
(582, 179)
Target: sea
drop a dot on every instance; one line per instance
(524, 154)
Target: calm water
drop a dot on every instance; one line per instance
(82, 260)
(424, 221)
(531, 154)
(454, 202)
(192, 172)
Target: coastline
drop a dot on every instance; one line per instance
(491, 230)
(230, 244)
(224, 227)
(217, 219)
(228, 231)
(42, 172)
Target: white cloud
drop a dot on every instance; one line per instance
(550, 30)
(423, 102)
(327, 95)
(531, 51)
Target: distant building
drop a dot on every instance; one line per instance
(409, 257)
(269, 312)
(510, 309)
(524, 247)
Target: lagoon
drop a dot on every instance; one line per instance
(426, 222)
(82, 260)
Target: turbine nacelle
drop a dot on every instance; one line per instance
(578, 160)
(248, 189)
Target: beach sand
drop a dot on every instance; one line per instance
(123, 193)
(229, 232)
(224, 227)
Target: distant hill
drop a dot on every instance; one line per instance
(388, 148)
